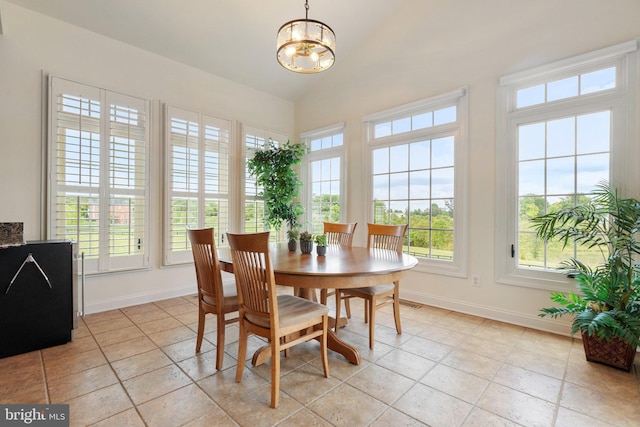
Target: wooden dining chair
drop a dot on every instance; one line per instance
(215, 295)
(285, 320)
(338, 234)
(389, 237)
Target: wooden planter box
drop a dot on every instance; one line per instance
(615, 353)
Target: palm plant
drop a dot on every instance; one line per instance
(608, 304)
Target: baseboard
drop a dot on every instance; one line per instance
(512, 317)
(136, 299)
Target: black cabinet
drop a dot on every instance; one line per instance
(38, 283)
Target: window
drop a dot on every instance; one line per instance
(418, 166)
(565, 131)
(197, 193)
(324, 176)
(253, 214)
(98, 174)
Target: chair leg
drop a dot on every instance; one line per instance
(367, 307)
(396, 307)
(323, 345)
(338, 298)
(371, 303)
(323, 296)
(220, 341)
(275, 372)
(201, 315)
(347, 307)
(242, 351)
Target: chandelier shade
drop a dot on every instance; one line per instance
(305, 45)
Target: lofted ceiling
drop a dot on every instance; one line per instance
(233, 39)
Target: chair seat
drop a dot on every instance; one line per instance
(229, 291)
(370, 290)
(292, 310)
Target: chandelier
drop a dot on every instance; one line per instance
(305, 45)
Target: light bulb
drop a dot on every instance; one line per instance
(290, 51)
(314, 56)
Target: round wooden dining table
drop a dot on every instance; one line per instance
(341, 268)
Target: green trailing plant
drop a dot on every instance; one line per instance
(273, 169)
(292, 235)
(321, 239)
(608, 304)
(305, 236)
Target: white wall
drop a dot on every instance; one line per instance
(432, 47)
(32, 43)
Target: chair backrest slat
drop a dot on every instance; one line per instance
(390, 237)
(254, 274)
(205, 257)
(340, 233)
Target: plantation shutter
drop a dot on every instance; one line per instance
(197, 179)
(98, 175)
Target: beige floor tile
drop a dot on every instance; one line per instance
(305, 418)
(347, 406)
(407, 364)
(516, 406)
(307, 384)
(545, 343)
(61, 365)
(185, 349)
(611, 381)
(169, 302)
(129, 348)
(541, 363)
(189, 318)
(179, 407)
(529, 382)
(481, 418)
(110, 325)
(569, 418)
(103, 316)
(442, 335)
(155, 383)
(252, 408)
(128, 418)
(149, 315)
(223, 388)
(20, 361)
(182, 308)
(140, 364)
(215, 417)
(422, 347)
(172, 336)
(203, 364)
(98, 405)
(113, 337)
(459, 384)
(381, 383)
(594, 403)
(159, 325)
(62, 389)
(475, 364)
(393, 417)
(433, 407)
(79, 345)
(34, 393)
(140, 308)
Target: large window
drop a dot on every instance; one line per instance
(253, 213)
(98, 174)
(418, 165)
(565, 130)
(197, 187)
(325, 194)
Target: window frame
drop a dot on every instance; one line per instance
(456, 267)
(621, 101)
(171, 257)
(265, 135)
(105, 262)
(319, 155)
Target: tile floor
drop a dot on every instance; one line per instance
(137, 366)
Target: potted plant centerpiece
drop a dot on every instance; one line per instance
(273, 169)
(306, 242)
(292, 236)
(321, 244)
(607, 309)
